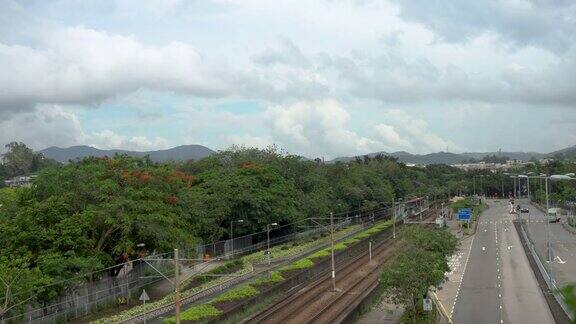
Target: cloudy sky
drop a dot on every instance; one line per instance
(318, 78)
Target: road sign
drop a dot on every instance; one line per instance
(144, 296)
(427, 304)
(464, 214)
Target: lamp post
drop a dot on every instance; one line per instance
(239, 221)
(268, 239)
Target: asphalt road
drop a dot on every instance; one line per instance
(562, 244)
(498, 285)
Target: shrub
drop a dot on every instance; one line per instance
(275, 277)
(351, 241)
(340, 246)
(222, 269)
(320, 254)
(195, 313)
(299, 264)
(237, 293)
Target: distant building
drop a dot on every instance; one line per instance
(494, 167)
(21, 181)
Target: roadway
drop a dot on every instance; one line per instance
(498, 285)
(562, 244)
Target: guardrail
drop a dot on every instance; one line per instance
(550, 282)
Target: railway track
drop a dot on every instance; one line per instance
(318, 303)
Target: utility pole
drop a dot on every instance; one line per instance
(332, 250)
(177, 286)
(370, 252)
(393, 218)
(268, 242)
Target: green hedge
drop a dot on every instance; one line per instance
(195, 313)
(237, 293)
(275, 277)
(299, 264)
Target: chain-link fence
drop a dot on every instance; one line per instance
(113, 286)
(121, 284)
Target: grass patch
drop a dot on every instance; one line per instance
(275, 277)
(292, 249)
(226, 268)
(320, 254)
(246, 267)
(299, 264)
(351, 241)
(236, 294)
(195, 313)
(340, 246)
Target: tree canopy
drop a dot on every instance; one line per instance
(79, 217)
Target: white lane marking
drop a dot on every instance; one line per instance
(559, 260)
(462, 276)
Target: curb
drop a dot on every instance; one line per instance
(569, 228)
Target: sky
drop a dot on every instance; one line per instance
(316, 78)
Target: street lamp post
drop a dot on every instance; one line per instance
(549, 252)
(232, 235)
(268, 239)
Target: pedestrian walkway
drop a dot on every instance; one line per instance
(448, 292)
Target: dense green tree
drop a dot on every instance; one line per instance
(78, 217)
(417, 267)
(21, 160)
(18, 159)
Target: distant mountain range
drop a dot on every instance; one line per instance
(178, 153)
(456, 158)
(195, 152)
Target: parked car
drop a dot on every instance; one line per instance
(524, 210)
